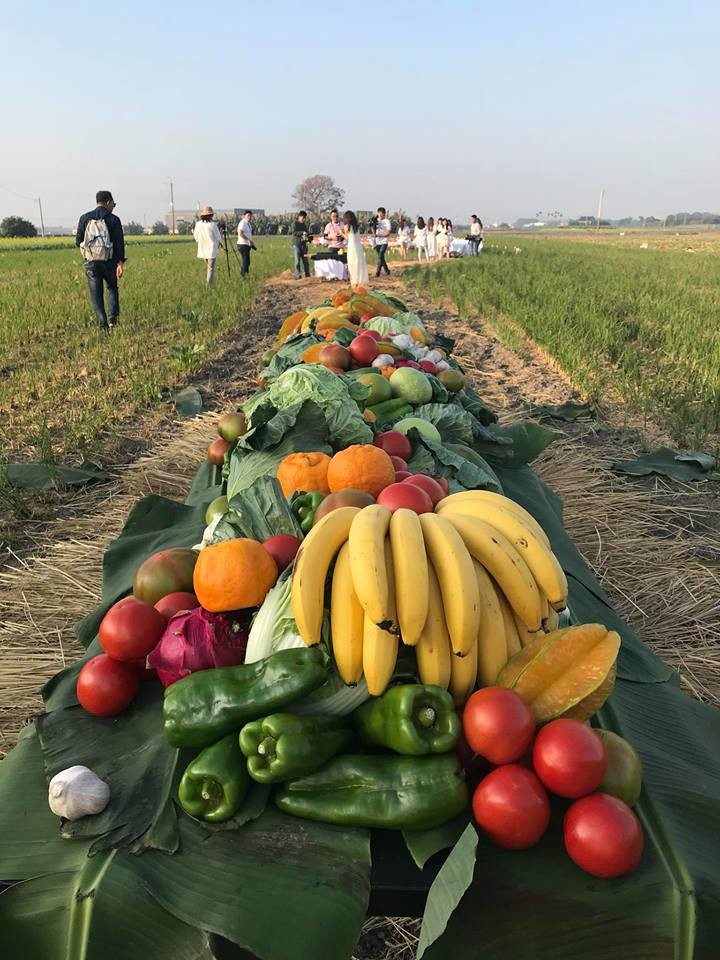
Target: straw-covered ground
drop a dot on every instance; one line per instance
(655, 545)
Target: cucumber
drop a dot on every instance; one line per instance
(361, 370)
(389, 411)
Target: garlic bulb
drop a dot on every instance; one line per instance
(77, 792)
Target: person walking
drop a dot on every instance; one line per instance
(421, 239)
(382, 238)
(245, 242)
(102, 243)
(209, 242)
(476, 235)
(431, 240)
(356, 263)
(300, 246)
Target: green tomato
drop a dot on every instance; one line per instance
(623, 778)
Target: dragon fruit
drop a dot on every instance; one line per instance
(198, 640)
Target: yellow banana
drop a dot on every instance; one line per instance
(312, 563)
(505, 503)
(347, 619)
(551, 620)
(367, 561)
(380, 646)
(433, 648)
(526, 636)
(512, 638)
(542, 562)
(458, 584)
(410, 569)
(500, 558)
(492, 647)
(463, 675)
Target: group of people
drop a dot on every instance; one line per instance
(344, 242)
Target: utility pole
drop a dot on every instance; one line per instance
(172, 205)
(600, 206)
(42, 222)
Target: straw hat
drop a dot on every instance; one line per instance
(207, 212)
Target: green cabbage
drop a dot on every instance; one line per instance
(400, 323)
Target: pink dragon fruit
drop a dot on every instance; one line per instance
(198, 640)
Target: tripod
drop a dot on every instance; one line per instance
(223, 230)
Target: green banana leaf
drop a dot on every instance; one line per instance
(694, 465)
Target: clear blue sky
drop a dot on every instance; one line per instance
(503, 109)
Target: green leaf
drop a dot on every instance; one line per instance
(283, 888)
(473, 403)
(259, 512)
(567, 412)
(423, 844)
(516, 445)
(289, 354)
(668, 463)
(447, 890)
(438, 459)
(188, 402)
(43, 476)
(454, 423)
(131, 754)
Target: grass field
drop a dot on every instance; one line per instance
(639, 324)
(63, 387)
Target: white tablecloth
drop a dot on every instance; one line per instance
(330, 269)
(460, 246)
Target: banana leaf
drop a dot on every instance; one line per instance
(669, 463)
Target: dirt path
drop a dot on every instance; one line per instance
(644, 540)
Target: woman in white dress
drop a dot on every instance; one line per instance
(442, 239)
(403, 239)
(421, 239)
(357, 266)
(450, 236)
(431, 240)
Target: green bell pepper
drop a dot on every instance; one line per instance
(214, 785)
(202, 708)
(284, 746)
(304, 505)
(395, 793)
(412, 718)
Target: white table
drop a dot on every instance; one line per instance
(462, 247)
(330, 269)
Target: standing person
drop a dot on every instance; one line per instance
(245, 242)
(431, 240)
(357, 266)
(209, 242)
(476, 235)
(421, 239)
(300, 246)
(403, 238)
(333, 231)
(382, 238)
(450, 236)
(442, 239)
(100, 238)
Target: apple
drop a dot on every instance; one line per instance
(232, 426)
(401, 475)
(282, 548)
(405, 495)
(216, 451)
(407, 363)
(398, 463)
(431, 487)
(333, 355)
(444, 483)
(363, 350)
(375, 334)
(343, 498)
(428, 367)
(394, 443)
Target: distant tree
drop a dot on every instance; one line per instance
(17, 227)
(133, 229)
(184, 227)
(159, 228)
(318, 193)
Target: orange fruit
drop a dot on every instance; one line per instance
(304, 471)
(233, 575)
(362, 466)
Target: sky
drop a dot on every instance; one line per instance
(502, 109)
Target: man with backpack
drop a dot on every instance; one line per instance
(100, 238)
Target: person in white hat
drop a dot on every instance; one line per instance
(207, 237)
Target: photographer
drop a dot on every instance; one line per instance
(382, 238)
(245, 242)
(300, 246)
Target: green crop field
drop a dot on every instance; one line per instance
(62, 386)
(637, 324)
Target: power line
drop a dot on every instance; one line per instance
(16, 194)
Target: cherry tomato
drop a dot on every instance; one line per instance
(498, 724)
(603, 836)
(130, 629)
(282, 548)
(175, 602)
(106, 686)
(511, 806)
(570, 758)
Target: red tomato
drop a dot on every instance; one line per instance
(444, 483)
(394, 443)
(570, 758)
(498, 724)
(603, 836)
(343, 498)
(399, 464)
(175, 602)
(106, 686)
(370, 333)
(428, 367)
(363, 350)
(511, 806)
(398, 495)
(431, 487)
(282, 548)
(216, 451)
(130, 629)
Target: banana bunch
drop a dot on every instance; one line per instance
(467, 586)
